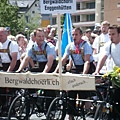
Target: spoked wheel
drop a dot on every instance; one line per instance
(56, 110)
(20, 109)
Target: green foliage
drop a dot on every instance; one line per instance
(114, 76)
(9, 16)
(62, 19)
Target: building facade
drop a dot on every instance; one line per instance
(88, 12)
(112, 11)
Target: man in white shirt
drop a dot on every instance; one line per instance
(100, 41)
(10, 58)
(9, 52)
(111, 48)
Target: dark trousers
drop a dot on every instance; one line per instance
(6, 90)
(6, 66)
(49, 93)
(81, 94)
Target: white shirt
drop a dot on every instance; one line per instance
(85, 38)
(115, 52)
(13, 48)
(30, 43)
(99, 43)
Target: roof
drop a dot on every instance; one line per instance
(22, 3)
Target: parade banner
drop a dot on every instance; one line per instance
(47, 81)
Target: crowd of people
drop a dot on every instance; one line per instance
(87, 53)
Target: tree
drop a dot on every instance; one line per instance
(9, 16)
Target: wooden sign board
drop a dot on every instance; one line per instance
(46, 81)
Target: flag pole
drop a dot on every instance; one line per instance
(59, 49)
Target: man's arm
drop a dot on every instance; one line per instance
(64, 59)
(49, 64)
(94, 51)
(86, 64)
(24, 63)
(100, 63)
(13, 62)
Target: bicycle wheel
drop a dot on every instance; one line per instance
(56, 110)
(102, 113)
(20, 109)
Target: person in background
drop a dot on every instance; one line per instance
(46, 34)
(52, 36)
(93, 36)
(87, 35)
(32, 40)
(48, 28)
(11, 37)
(97, 27)
(99, 42)
(21, 40)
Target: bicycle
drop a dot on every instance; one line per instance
(25, 104)
(108, 109)
(59, 106)
(5, 101)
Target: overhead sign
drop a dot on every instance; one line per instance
(57, 6)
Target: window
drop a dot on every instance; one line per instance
(90, 5)
(91, 17)
(76, 18)
(78, 6)
(54, 21)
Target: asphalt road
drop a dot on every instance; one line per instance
(34, 117)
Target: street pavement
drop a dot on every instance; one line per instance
(34, 117)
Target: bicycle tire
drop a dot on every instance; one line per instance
(56, 110)
(101, 113)
(18, 109)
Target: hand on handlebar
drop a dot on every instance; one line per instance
(95, 73)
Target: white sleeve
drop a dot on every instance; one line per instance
(13, 47)
(106, 48)
(95, 44)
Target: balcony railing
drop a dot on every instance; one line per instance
(87, 8)
(84, 23)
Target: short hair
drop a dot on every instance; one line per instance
(115, 27)
(88, 30)
(105, 23)
(3, 29)
(38, 29)
(18, 36)
(31, 34)
(80, 31)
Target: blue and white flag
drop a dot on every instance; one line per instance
(67, 32)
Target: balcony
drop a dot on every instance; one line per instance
(84, 11)
(84, 24)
